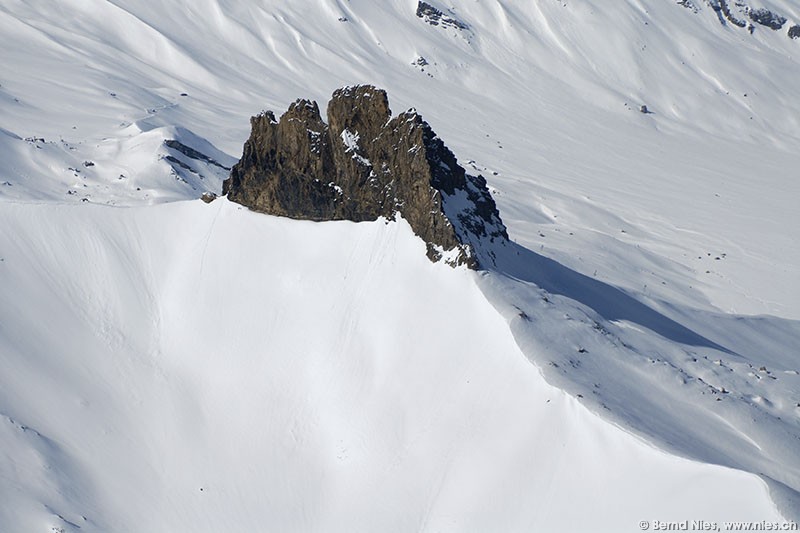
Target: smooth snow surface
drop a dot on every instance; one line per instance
(195, 367)
(326, 377)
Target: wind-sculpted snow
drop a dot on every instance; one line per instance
(715, 387)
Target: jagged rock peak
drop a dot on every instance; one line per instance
(363, 165)
(357, 108)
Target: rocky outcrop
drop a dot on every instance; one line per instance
(363, 165)
(191, 153)
(726, 11)
(436, 17)
(767, 18)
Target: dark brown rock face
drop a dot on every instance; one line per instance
(363, 165)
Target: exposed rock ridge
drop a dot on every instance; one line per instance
(436, 17)
(191, 153)
(363, 165)
(767, 18)
(762, 16)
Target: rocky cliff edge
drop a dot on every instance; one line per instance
(365, 164)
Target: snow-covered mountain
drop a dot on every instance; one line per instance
(170, 365)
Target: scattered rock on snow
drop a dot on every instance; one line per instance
(688, 4)
(436, 17)
(767, 18)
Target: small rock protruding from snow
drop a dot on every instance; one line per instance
(435, 17)
(767, 18)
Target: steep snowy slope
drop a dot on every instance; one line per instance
(195, 367)
(656, 270)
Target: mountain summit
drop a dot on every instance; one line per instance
(363, 165)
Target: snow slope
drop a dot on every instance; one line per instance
(193, 367)
(546, 95)
(655, 269)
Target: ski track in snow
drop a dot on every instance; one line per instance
(653, 275)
